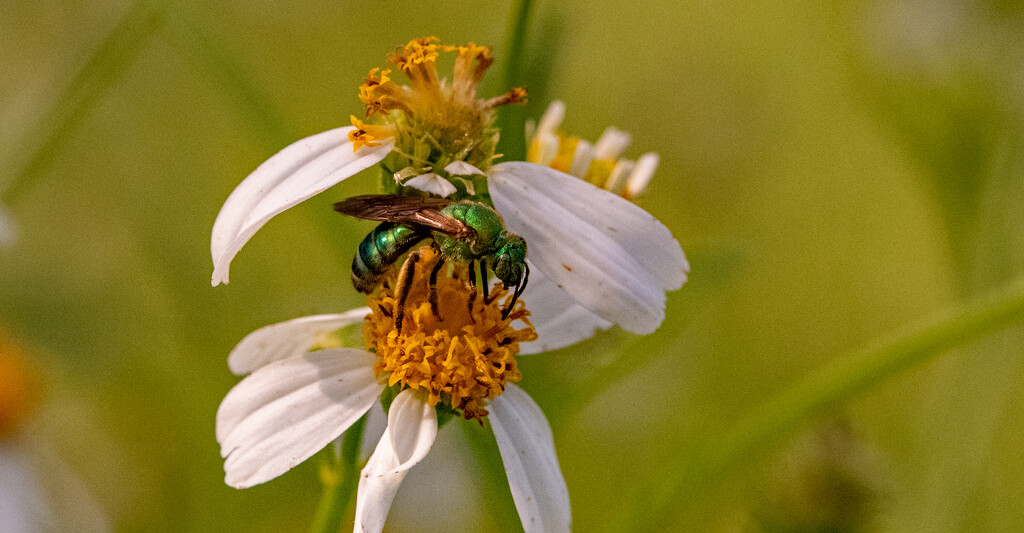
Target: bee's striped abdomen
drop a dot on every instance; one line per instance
(379, 250)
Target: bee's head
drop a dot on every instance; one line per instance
(509, 262)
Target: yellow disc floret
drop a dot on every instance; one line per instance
(435, 120)
(458, 350)
(367, 134)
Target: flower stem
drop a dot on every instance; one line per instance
(693, 472)
(494, 486)
(340, 477)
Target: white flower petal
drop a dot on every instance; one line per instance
(607, 253)
(528, 451)
(412, 428)
(611, 144)
(642, 174)
(558, 320)
(462, 168)
(288, 410)
(432, 183)
(287, 339)
(300, 171)
(7, 228)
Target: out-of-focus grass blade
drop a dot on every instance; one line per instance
(688, 474)
(187, 33)
(103, 67)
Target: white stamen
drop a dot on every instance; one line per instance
(581, 159)
(409, 172)
(547, 148)
(617, 180)
(531, 129)
(611, 144)
(642, 174)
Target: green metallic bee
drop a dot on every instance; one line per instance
(462, 231)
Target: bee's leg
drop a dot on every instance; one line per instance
(433, 287)
(519, 291)
(483, 280)
(405, 276)
(471, 270)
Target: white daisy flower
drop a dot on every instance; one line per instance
(596, 258)
(296, 401)
(23, 507)
(38, 490)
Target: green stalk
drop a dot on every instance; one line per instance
(340, 477)
(512, 119)
(837, 383)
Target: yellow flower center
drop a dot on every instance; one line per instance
(435, 121)
(17, 389)
(460, 352)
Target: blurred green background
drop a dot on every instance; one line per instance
(834, 170)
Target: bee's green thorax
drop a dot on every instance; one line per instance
(486, 225)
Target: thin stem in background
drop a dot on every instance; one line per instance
(512, 119)
(340, 477)
(692, 473)
(494, 484)
(197, 42)
(114, 53)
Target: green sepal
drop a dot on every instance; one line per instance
(445, 413)
(389, 395)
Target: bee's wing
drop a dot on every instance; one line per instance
(415, 210)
